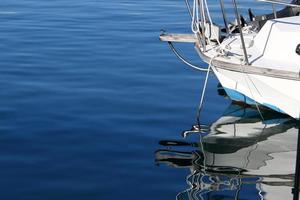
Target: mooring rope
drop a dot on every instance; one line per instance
(204, 89)
(210, 20)
(195, 18)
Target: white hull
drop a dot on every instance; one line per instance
(281, 95)
(272, 77)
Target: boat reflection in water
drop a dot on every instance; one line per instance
(240, 156)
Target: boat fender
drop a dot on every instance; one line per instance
(298, 49)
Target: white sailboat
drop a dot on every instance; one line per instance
(257, 62)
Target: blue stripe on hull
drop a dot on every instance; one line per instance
(237, 96)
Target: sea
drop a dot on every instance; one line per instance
(94, 107)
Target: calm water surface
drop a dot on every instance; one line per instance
(90, 100)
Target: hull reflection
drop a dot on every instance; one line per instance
(240, 156)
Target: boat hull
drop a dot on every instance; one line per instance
(281, 95)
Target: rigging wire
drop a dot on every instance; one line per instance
(255, 102)
(189, 8)
(180, 57)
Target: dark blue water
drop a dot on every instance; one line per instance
(87, 92)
